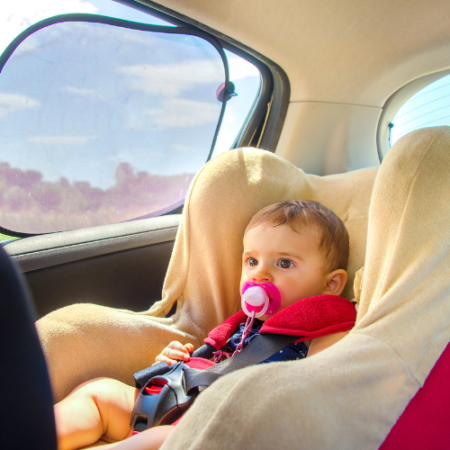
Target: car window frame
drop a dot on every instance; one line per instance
(263, 125)
(94, 18)
(393, 105)
(263, 128)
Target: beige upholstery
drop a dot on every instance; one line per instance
(85, 341)
(350, 395)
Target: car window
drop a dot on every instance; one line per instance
(16, 16)
(113, 133)
(427, 108)
(247, 80)
(103, 123)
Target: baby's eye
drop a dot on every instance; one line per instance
(252, 262)
(285, 264)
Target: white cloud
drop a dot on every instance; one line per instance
(172, 79)
(229, 117)
(240, 68)
(18, 15)
(121, 157)
(60, 140)
(79, 91)
(180, 148)
(183, 113)
(15, 102)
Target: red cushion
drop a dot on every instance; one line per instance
(219, 336)
(199, 363)
(310, 318)
(313, 317)
(425, 422)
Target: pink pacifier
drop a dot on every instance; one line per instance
(257, 299)
(260, 298)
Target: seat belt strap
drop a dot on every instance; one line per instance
(262, 347)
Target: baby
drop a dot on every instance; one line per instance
(300, 247)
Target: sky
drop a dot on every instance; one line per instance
(156, 114)
(18, 15)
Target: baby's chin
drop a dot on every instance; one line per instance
(265, 317)
(268, 316)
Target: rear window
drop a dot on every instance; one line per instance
(430, 107)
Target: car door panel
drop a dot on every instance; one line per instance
(120, 265)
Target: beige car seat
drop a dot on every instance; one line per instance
(86, 341)
(348, 396)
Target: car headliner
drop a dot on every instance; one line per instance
(351, 51)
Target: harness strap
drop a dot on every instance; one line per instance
(142, 377)
(263, 346)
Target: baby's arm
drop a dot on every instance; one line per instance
(175, 352)
(150, 439)
(99, 407)
(319, 344)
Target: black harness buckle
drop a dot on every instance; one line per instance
(162, 400)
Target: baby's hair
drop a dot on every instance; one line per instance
(300, 213)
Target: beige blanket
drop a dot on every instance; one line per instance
(350, 395)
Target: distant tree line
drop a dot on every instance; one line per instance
(30, 204)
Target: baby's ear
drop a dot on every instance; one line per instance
(335, 282)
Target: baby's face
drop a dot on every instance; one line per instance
(291, 261)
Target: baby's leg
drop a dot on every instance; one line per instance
(150, 439)
(99, 407)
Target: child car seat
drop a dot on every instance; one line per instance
(84, 341)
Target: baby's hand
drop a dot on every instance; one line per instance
(175, 352)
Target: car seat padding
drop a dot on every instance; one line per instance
(424, 423)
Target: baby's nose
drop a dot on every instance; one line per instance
(261, 275)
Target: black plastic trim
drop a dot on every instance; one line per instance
(130, 279)
(49, 250)
(155, 13)
(16, 234)
(92, 18)
(278, 109)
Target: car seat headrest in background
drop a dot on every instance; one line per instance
(26, 407)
